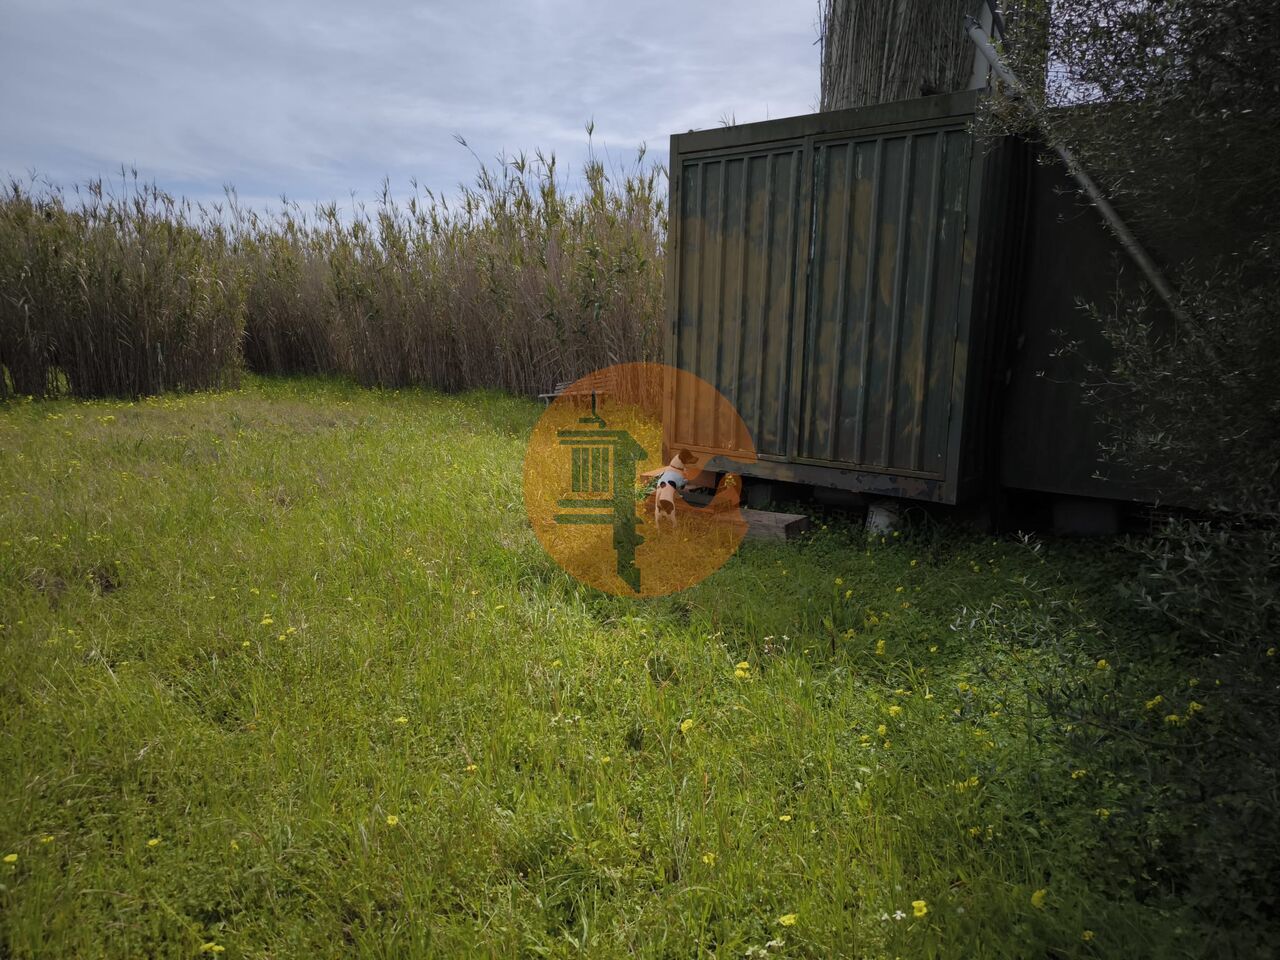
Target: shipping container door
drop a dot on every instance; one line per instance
(886, 256)
(737, 221)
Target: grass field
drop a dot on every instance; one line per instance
(284, 673)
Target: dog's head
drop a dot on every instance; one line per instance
(683, 459)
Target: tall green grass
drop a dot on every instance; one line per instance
(272, 680)
(516, 284)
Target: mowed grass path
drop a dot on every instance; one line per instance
(284, 673)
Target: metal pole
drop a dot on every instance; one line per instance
(1118, 226)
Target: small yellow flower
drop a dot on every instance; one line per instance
(879, 647)
(47, 838)
(709, 859)
(235, 845)
(1271, 651)
(894, 710)
(1155, 702)
(686, 724)
(1173, 720)
(392, 820)
(472, 768)
(897, 589)
(839, 581)
(1079, 774)
(10, 858)
(785, 818)
(1102, 665)
(919, 907)
(1103, 813)
(402, 720)
(788, 919)
(267, 621)
(555, 663)
(153, 842)
(743, 665)
(244, 643)
(915, 562)
(1038, 898)
(741, 674)
(882, 730)
(605, 759)
(1086, 935)
(933, 648)
(1194, 707)
(211, 947)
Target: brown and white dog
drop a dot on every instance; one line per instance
(671, 481)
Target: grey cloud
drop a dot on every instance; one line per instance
(318, 99)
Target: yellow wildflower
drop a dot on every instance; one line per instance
(879, 647)
(392, 820)
(743, 665)
(839, 581)
(153, 842)
(47, 838)
(788, 919)
(1173, 720)
(882, 730)
(10, 858)
(1086, 935)
(785, 818)
(402, 720)
(211, 947)
(1038, 898)
(1194, 707)
(919, 907)
(472, 768)
(894, 710)
(1079, 774)
(1102, 813)
(709, 859)
(1155, 702)
(686, 724)
(1102, 665)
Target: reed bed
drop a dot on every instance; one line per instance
(516, 284)
(115, 293)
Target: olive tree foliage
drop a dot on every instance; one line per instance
(1174, 107)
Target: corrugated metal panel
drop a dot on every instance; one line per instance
(888, 244)
(737, 277)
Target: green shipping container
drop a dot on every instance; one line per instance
(845, 279)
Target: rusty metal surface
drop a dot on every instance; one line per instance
(822, 274)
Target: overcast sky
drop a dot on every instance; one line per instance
(316, 99)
